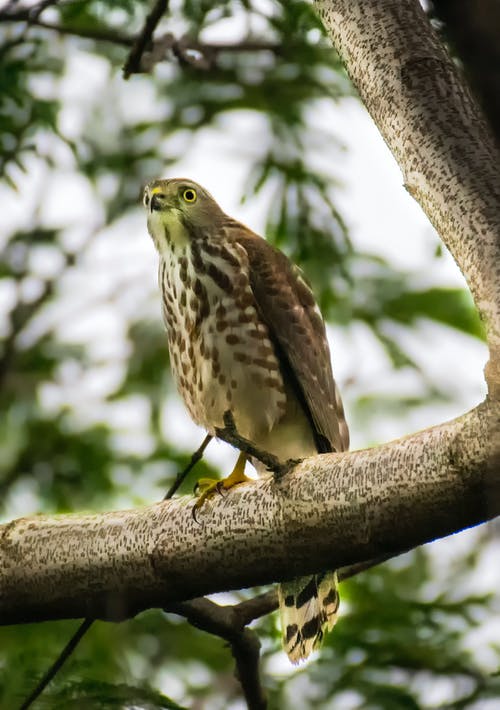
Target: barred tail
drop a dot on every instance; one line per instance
(308, 608)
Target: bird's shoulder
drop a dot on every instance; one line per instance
(275, 271)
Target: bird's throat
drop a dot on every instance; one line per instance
(167, 231)
(175, 231)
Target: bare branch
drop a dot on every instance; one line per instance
(54, 669)
(245, 645)
(197, 456)
(188, 51)
(145, 38)
(100, 35)
(372, 503)
(229, 622)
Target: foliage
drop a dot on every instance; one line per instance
(83, 360)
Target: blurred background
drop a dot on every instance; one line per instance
(251, 101)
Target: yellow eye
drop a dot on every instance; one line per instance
(189, 195)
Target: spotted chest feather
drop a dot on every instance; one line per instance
(221, 354)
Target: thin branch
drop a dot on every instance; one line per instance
(222, 621)
(186, 50)
(197, 456)
(100, 35)
(246, 653)
(263, 604)
(54, 669)
(229, 622)
(145, 37)
(50, 674)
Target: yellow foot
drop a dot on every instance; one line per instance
(207, 487)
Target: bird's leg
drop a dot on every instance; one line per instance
(230, 434)
(236, 476)
(207, 486)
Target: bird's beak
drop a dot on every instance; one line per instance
(156, 203)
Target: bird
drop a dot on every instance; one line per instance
(246, 336)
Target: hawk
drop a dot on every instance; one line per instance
(246, 336)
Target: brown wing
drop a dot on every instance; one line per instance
(287, 305)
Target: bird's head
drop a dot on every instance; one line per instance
(179, 210)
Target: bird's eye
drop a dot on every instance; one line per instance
(189, 195)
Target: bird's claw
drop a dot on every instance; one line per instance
(206, 487)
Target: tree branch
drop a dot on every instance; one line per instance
(222, 621)
(436, 132)
(186, 50)
(145, 38)
(372, 503)
(229, 622)
(98, 34)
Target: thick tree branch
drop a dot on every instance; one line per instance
(435, 131)
(371, 503)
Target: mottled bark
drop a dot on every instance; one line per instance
(436, 132)
(332, 509)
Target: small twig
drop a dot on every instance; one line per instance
(251, 609)
(59, 662)
(352, 570)
(197, 456)
(100, 35)
(133, 62)
(188, 51)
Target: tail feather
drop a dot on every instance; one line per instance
(308, 607)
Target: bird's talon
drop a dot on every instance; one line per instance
(206, 487)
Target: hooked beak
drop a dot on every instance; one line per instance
(156, 203)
